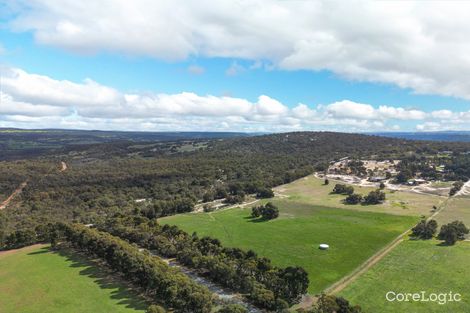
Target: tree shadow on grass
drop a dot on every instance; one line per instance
(260, 219)
(444, 244)
(41, 251)
(104, 278)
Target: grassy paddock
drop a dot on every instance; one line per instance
(457, 208)
(293, 238)
(34, 279)
(415, 266)
(311, 190)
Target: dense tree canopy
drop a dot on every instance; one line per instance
(452, 232)
(267, 212)
(425, 229)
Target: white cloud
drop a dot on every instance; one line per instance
(40, 89)
(235, 69)
(8, 106)
(442, 114)
(401, 113)
(302, 111)
(32, 100)
(412, 44)
(430, 126)
(269, 106)
(350, 109)
(196, 70)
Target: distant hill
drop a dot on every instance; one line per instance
(458, 136)
(19, 143)
(23, 143)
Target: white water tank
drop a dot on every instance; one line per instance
(324, 246)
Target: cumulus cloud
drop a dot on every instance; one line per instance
(40, 89)
(350, 109)
(429, 126)
(33, 100)
(411, 44)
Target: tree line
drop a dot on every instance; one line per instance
(373, 197)
(165, 285)
(266, 286)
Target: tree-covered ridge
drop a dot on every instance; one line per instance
(26, 143)
(171, 177)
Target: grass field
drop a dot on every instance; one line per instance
(415, 266)
(311, 190)
(293, 238)
(457, 208)
(34, 280)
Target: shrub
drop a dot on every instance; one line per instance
(265, 193)
(268, 211)
(353, 199)
(233, 308)
(234, 199)
(455, 188)
(155, 309)
(343, 189)
(208, 208)
(374, 197)
(333, 304)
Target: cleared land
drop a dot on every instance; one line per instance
(293, 238)
(457, 208)
(34, 279)
(415, 266)
(311, 190)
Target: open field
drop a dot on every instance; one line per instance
(311, 190)
(34, 279)
(415, 266)
(293, 238)
(457, 208)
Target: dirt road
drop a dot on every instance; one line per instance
(219, 205)
(17, 191)
(364, 267)
(20, 188)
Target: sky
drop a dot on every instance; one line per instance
(252, 66)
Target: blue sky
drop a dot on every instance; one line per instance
(48, 50)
